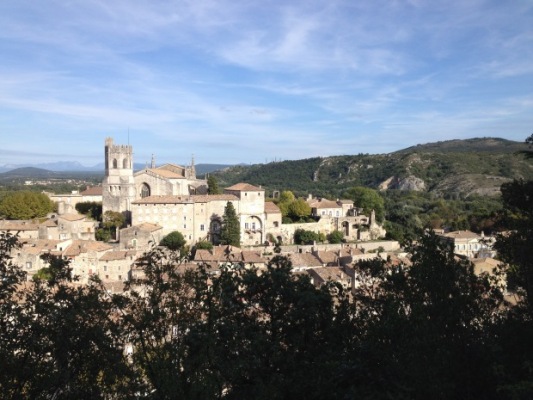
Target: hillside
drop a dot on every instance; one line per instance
(450, 168)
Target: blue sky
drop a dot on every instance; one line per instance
(253, 81)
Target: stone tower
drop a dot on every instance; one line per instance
(118, 188)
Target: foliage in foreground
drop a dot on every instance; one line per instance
(431, 330)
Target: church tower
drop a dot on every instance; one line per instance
(118, 189)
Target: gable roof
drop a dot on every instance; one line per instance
(71, 217)
(245, 187)
(271, 208)
(92, 191)
(177, 199)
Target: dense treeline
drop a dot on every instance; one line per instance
(433, 329)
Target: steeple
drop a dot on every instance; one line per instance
(193, 168)
(153, 162)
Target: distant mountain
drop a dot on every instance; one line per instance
(450, 168)
(75, 166)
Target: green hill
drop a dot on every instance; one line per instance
(450, 168)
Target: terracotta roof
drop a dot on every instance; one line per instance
(324, 203)
(271, 208)
(165, 173)
(245, 187)
(205, 198)
(218, 254)
(118, 255)
(146, 226)
(250, 256)
(49, 223)
(83, 246)
(92, 191)
(174, 199)
(329, 274)
(167, 199)
(327, 257)
(7, 225)
(462, 235)
(304, 260)
(72, 217)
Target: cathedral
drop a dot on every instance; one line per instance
(172, 197)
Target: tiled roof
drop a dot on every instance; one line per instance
(324, 203)
(92, 191)
(7, 225)
(148, 227)
(49, 223)
(205, 198)
(462, 235)
(245, 187)
(327, 257)
(175, 199)
(249, 256)
(83, 246)
(329, 274)
(118, 255)
(271, 208)
(304, 260)
(166, 173)
(72, 217)
(218, 254)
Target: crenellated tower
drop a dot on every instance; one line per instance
(118, 189)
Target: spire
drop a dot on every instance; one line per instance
(193, 168)
(153, 162)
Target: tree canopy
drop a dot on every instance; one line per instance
(173, 241)
(26, 205)
(231, 229)
(368, 199)
(212, 185)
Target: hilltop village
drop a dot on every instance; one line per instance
(158, 200)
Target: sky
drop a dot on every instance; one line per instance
(254, 81)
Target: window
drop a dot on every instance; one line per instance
(253, 225)
(276, 224)
(202, 227)
(115, 164)
(337, 213)
(125, 163)
(246, 225)
(28, 265)
(145, 190)
(105, 268)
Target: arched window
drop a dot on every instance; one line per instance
(115, 164)
(125, 163)
(145, 190)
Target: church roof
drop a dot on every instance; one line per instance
(175, 199)
(165, 173)
(245, 187)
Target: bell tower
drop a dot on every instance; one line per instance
(118, 188)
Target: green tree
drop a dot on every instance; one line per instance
(302, 236)
(92, 209)
(112, 221)
(212, 185)
(335, 237)
(26, 205)
(368, 199)
(173, 241)
(231, 229)
(516, 246)
(285, 199)
(299, 210)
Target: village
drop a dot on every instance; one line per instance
(159, 200)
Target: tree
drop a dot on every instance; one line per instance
(173, 241)
(368, 199)
(212, 185)
(335, 237)
(299, 209)
(26, 205)
(302, 236)
(285, 199)
(231, 229)
(516, 247)
(112, 221)
(92, 209)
